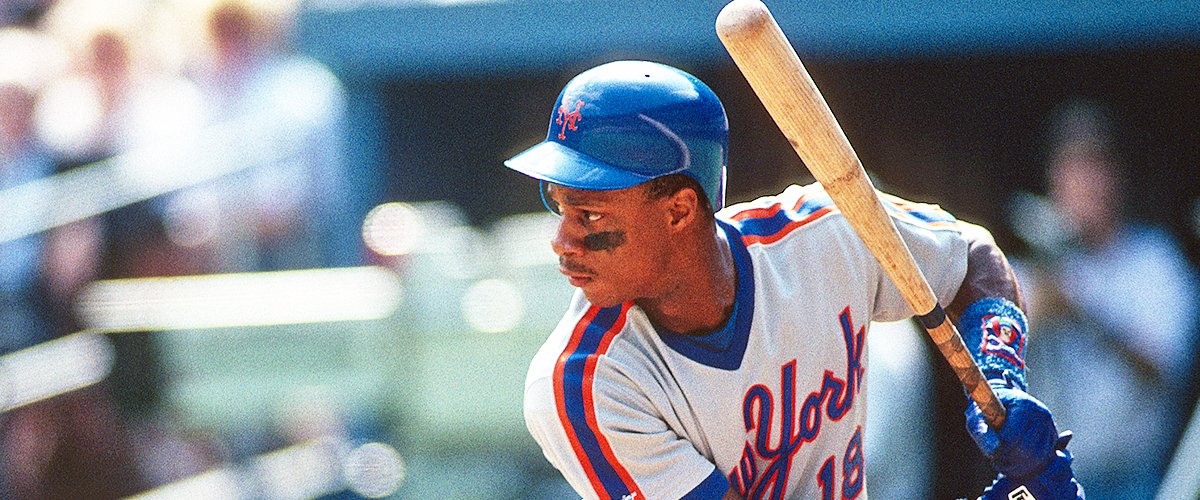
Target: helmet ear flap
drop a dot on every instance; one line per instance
(547, 201)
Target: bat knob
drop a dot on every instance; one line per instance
(743, 17)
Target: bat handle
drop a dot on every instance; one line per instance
(945, 337)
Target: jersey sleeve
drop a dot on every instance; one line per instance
(598, 428)
(936, 241)
(615, 450)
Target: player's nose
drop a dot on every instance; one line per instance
(566, 241)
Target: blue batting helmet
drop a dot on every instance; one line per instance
(626, 122)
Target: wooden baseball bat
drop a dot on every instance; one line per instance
(775, 72)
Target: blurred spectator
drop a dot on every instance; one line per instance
(122, 98)
(121, 94)
(22, 159)
(72, 445)
(1113, 302)
(29, 62)
(118, 99)
(288, 210)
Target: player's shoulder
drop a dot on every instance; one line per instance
(769, 219)
(926, 215)
(590, 334)
(798, 209)
(793, 198)
(598, 350)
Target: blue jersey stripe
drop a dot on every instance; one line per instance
(713, 487)
(573, 400)
(767, 226)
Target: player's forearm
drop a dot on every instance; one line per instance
(988, 273)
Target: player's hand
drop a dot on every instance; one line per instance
(1026, 442)
(1055, 482)
(994, 329)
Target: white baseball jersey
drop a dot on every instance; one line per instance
(773, 403)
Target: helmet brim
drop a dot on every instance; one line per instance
(558, 164)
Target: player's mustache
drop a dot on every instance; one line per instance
(573, 267)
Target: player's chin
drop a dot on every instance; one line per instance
(602, 296)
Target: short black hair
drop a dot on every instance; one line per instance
(668, 185)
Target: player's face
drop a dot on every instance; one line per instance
(610, 244)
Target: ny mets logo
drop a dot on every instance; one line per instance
(568, 119)
(1003, 337)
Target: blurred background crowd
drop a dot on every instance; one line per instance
(266, 249)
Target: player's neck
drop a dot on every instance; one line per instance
(700, 291)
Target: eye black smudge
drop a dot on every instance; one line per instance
(605, 240)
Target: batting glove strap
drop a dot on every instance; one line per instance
(994, 331)
(1055, 482)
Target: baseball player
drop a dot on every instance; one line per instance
(716, 351)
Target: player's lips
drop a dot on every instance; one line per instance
(578, 275)
(578, 281)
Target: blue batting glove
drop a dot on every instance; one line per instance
(1055, 482)
(1025, 444)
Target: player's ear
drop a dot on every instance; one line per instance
(683, 208)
